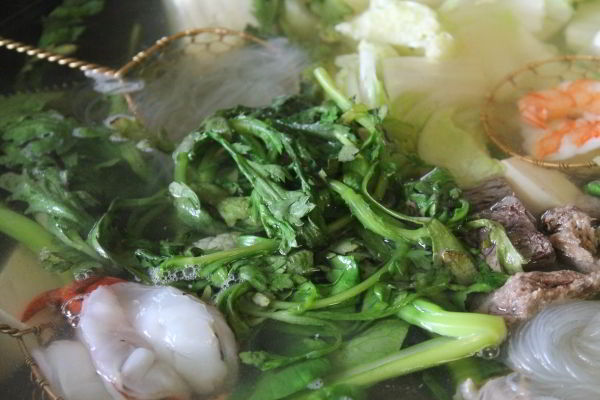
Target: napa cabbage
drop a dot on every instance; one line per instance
(583, 32)
(446, 144)
(400, 23)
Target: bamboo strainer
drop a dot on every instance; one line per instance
(134, 78)
(45, 391)
(500, 116)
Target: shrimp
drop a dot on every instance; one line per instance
(147, 342)
(121, 354)
(570, 100)
(68, 296)
(569, 137)
(188, 334)
(562, 122)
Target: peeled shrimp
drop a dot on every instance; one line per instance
(562, 122)
(567, 138)
(142, 342)
(188, 334)
(569, 100)
(121, 354)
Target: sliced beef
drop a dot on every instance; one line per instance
(521, 229)
(575, 236)
(484, 196)
(495, 200)
(526, 293)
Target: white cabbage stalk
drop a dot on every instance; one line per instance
(358, 6)
(492, 38)
(465, 77)
(400, 23)
(186, 14)
(359, 74)
(543, 18)
(297, 20)
(443, 143)
(434, 78)
(542, 188)
(583, 32)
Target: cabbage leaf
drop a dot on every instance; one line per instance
(443, 143)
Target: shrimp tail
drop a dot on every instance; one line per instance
(40, 302)
(64, 295)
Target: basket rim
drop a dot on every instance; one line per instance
(161, 43)
(143, 55)
(37, 376)
(510, 78)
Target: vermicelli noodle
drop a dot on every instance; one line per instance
(194, 87)
(558, 351)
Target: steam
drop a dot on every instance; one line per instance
(194, 87)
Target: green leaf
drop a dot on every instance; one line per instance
(510, 259)
(593, 188)
(280, 210)
(448, 251)
(190, 212)
(343, 275)
(44, 192)
(381, 339)
(254, 276)
(330, 11)
(266, 13)
(299, 262)
(273, 385)
(305, 294)
(234, 209)
(436, 386)
(436, 195)
(18, 107)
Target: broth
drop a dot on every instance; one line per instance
(20, 277)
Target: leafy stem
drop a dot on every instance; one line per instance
(347, 294)
(395, 214)
(225, 256)
(373, 221)
(464, 334)
(26, 231)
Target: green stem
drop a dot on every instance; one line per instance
(338, 97)
(400, 216)
(329, 87)
(283, 316)
(339, 224)
(181, 167)
(25, 230)
(262, 246)
(381, 187)
(465, 334)
(435, 319)
(421, 356)
(157, 198)
(593, 188)
(347, 294)
(373, 221)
